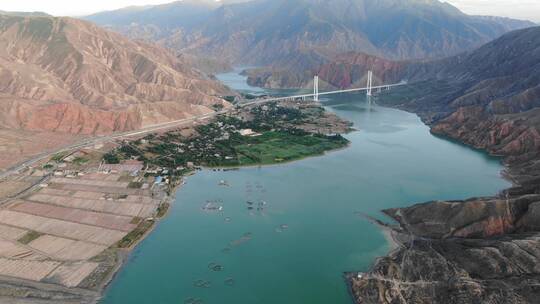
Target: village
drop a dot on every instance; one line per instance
(259, 135)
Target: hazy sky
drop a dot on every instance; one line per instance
(523, 9)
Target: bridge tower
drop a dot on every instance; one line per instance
(369, 82)
(316, 88)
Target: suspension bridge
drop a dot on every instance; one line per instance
(316, 94)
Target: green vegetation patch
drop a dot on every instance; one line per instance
(111, 158)
(136, 220)
(135, 185)
(230, 99)
(162, 210)
(58, 157)
(29, 237)
(136, 234)
(276, 147)
(80, 161)
(126, 178)
(218, 106)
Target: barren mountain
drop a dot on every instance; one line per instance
(68, 75)
(500, 78)
(307, 33)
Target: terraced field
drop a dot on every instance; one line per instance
(54, 234)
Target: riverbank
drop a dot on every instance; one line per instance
(70, 232)
(492, 257)
(123, 254)
(482, 250)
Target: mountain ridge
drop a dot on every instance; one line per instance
(276, 33)
(25, 14)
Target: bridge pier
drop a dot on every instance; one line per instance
(316, 88)
(369, 83)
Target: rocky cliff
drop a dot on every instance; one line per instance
(68, 75)
(482, 250)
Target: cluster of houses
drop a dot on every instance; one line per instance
(132, 166)
(249, 132)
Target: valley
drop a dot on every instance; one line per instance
(175, 153)
(289, 233)
(252, 33)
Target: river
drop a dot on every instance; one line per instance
(310, 229)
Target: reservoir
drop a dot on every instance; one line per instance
(305, 227)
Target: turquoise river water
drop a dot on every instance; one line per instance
(308, 231)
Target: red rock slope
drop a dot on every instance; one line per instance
(67, 75)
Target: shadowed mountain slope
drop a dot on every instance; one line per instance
(482, 250)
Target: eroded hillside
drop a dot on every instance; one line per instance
(67, 75)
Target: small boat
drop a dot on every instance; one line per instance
(211, 206)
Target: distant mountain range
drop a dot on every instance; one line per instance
(307, 33)
(25, 14)
(71, 76)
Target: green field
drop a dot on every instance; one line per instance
(277, 147)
